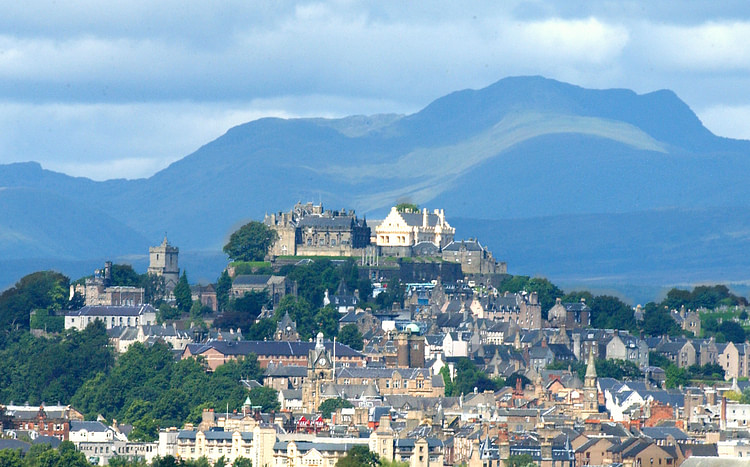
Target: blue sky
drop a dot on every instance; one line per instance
(122, 90)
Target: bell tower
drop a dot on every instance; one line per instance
(163, 262)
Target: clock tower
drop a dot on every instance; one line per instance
(319, 372)
(590, 391)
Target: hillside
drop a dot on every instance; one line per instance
(522, 148)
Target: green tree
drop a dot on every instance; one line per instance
(611, 313)
(329, 406)
(732, 331)
(350, 335)
(519, 460)
(251, 242)
(617, 369)
(445, 372)
(11, 458)
(125, 275)
(223, 286)
(358, 456)
(40, 290)
(407, 207)
(242, 462)
(468, 377)
(182, 294)
(267, 398)
(243, 311)
(154, 288)
(676, 377)
(658, 322)
(262, 330)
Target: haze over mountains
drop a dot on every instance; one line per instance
(602, 187)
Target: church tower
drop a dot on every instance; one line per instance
(590, 392)
(163, 262)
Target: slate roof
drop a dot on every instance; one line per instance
(14, 444)
(366, 372)
(468, 245)
(292, 394)
(305, 446)
(251, 279)
(699, 449)
(98, 427)
(281, 349)
(288, 371)
(662, 432)
(337, 222)
(414, 219)
(102, 310)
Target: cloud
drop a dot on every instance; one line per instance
(135, 140)
(728, 121)
(85, 83)
(713, 46)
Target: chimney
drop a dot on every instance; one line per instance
(425, 221)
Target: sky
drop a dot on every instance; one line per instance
(122, 89)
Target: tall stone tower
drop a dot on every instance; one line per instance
(163, 262)
(319, 372)
(590, 392)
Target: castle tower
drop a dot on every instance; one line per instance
(163, 262)
(590, 392)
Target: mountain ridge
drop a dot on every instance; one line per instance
(523, 147)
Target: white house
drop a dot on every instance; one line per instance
(111, 316)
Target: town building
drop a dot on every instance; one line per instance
(218, 352)
(111, 316)
(99, 290)
(473, 257)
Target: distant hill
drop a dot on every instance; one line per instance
(523, 148)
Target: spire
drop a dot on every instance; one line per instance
(591, 366)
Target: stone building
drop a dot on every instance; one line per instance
(99, 290)
(571, 315)
(163, 263)
(286, 329)
(111, 316)
(218, 352)
(404, 230)
(473, 257)
(309, 230)
(275, 286)
(319, 371)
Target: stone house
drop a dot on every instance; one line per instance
(681, 352)
(206, 295)
(473, 257)
(257, 445)
(734, 359)
(276, 286)
(571, 315)
(111, 316)
(99, 290)
(688, 320)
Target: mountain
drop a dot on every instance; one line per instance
(523, 151)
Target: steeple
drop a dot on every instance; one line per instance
(590, 369)
(590, 391)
